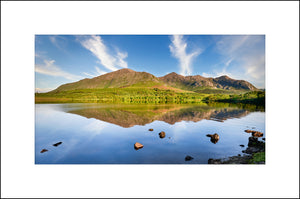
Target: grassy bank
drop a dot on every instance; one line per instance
(253, 97)
(138, 95)
(123, 95)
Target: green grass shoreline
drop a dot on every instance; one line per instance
(145, 96)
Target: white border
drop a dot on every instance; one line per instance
(277, 20)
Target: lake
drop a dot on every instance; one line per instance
(106, 133)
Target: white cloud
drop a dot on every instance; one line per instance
(216, 73)
(247, 52)
(178, 50)
(98, 48)
(121, 56)
(49, 68)
(54, 41)
(59, 42)
(43, 90)
(96, 73)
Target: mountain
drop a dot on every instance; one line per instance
(173, 81)
(117, 79)
(198, 82)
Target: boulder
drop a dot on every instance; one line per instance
(214, 138)
(138, 146)
(257, 134)
(162, 134)
(188, 158)
(43, 150)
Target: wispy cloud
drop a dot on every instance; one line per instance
(216, 73)
(97, 72)
(49, 68)
(110, 61)
(59, 42)
(43, 90)
(244, 57)
(178, 48)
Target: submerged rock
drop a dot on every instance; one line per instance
(58, 143)
(214, 138)
(188, 158)
(43, 150)
(214, 161)
(150, 129)
(231, 160)
(162, 134)
(138, 146)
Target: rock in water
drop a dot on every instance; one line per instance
(150, 129)
(257, 134)
(188, 158)
(43, 150)
(138, 146)
(214, 138)
(58, 143)
(242, 145)
(162, 134)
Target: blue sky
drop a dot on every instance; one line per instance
(61, 59)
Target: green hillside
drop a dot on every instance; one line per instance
(128, 86)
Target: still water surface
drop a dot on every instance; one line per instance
(105, 134)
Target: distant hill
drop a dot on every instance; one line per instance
(194, 83)
(173, 81)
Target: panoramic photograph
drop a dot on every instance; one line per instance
(150, 99)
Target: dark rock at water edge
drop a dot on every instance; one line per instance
(254, 142)
(44, 150)
(253, 152)
(162, 134)
(214, 161)
(242, 145)
(58, 143)
(188, 158)
(231, 160)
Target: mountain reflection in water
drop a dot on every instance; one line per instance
(131, 115)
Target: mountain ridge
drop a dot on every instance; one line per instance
(130, 78)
